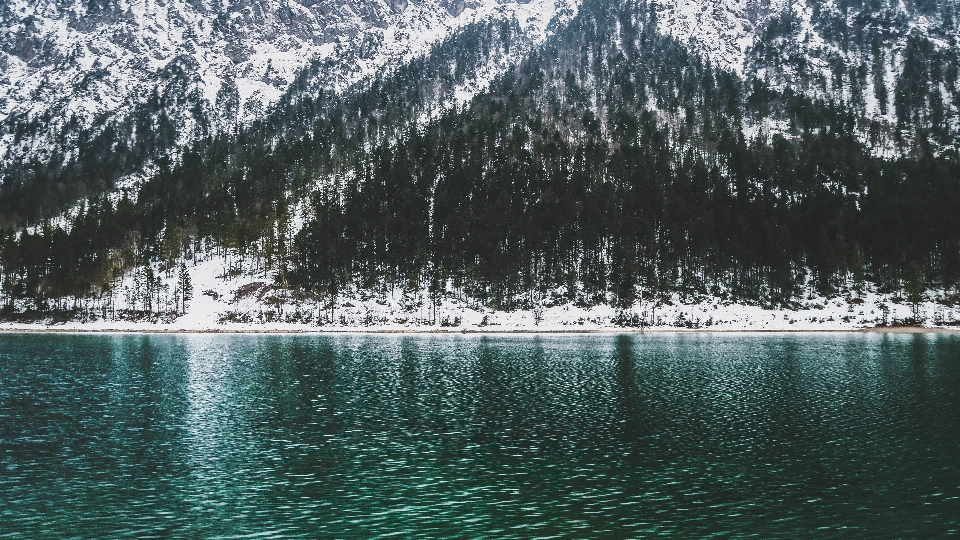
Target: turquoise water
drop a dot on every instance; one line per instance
(768, 436)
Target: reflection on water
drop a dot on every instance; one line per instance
(847, 435)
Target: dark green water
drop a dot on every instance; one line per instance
(772, 436)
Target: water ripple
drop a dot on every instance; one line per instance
(515, 437)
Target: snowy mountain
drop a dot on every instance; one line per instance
(70, 66)
(69, 70)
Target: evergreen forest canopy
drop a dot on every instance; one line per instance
(611, 164)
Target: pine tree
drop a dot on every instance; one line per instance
(186, 287)
(914, 288)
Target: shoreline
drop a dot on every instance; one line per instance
(484, 332)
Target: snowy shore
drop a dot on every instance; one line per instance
(122, 327)
(240, 302)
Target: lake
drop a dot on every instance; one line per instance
(687, 435)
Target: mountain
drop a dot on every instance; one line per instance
(600, 154)
(152, 75)
(613, 160)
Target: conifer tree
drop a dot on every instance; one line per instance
(914, 288)
(186, 287)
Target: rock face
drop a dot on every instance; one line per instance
(71, 64)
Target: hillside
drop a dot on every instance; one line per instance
(610, 157)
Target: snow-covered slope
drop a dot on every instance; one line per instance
(70, 64)
(722, 30)
(729, 32)
(891, 61)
